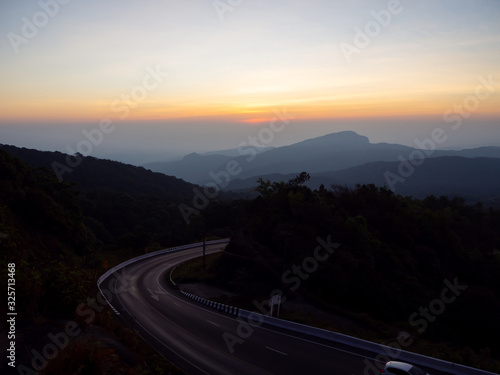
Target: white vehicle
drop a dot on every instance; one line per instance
(401, 368)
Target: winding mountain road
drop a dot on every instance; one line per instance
(192, 335)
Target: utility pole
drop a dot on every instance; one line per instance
(204, 248)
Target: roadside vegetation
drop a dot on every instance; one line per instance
(396, 257)
(57, 260)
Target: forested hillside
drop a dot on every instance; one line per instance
(396, 255)
(57, 258)
(42, 231)
(126, 207)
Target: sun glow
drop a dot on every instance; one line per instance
(166, 63)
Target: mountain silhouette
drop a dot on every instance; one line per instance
(331, 152)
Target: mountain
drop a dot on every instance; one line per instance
(92, 173)
(122, 204)
(193, 167)
(331, 152)
(234, 151)
(475, 179)
(447, 175)
(196, 167)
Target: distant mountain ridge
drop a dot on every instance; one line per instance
(331, 152)
(234, 151)
(344, 158)
(474, 179)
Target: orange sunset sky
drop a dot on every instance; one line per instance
(193, 75)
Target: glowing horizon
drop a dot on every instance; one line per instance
(168, 61)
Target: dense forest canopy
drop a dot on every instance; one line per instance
(396, 254)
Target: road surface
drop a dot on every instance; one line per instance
(195, 337)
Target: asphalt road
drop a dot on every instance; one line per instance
(193, 336)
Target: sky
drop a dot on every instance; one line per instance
(159, 78)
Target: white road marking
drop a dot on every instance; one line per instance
(277, 351)
(171, 272)
(215, 324)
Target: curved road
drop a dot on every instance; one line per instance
(192, 335)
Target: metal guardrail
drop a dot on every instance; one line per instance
(216, 305)
(403, 355)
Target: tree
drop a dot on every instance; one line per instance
(300, 179)
(267, 188)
